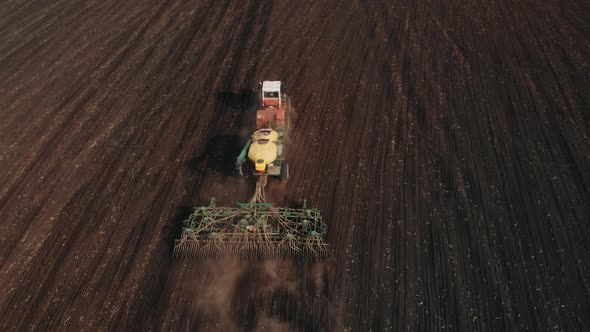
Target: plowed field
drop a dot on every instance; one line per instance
(446, 143)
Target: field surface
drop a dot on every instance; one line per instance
(446, 142)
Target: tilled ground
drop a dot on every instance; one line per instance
(446, 143)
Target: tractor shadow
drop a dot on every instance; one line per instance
(219, 155)
(245, 103)
(235, 119)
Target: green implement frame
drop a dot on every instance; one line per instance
(256, 230)
(242, 158)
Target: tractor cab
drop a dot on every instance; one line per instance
(271, 94)
(272, 107)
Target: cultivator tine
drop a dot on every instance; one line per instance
(250, 249)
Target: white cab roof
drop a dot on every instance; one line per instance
(271, 85)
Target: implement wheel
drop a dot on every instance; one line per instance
(246, 169)
(284, 171)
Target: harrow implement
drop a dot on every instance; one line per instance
(253, 230)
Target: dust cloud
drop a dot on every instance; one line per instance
(268, 295)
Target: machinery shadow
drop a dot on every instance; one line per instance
(241, 100)
(245, 102)
(236, 117)
(173, 230)
(219, 155)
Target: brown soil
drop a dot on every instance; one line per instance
(446, 142)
